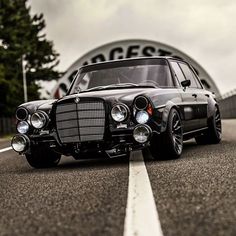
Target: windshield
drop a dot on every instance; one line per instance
(137, 73)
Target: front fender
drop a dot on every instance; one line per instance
(211, 108)
(44, 105)
(165, 114)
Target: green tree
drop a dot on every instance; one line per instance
(21, 34)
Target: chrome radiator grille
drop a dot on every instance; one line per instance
(80, 122)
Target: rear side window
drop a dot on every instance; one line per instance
(197, 80)
(189, 75)
(178, 72)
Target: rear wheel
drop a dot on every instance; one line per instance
(169, 145)
(43, 158)
(213, 134)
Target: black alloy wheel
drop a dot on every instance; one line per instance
(217, 119)
(168, 145)
(213, 134)
(177, 133)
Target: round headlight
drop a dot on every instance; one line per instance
(19, 143)
(141, 103)
(39, 119)
(119, 112)
(142, 117)
(21, 113)
(141, 133)
(22, 127)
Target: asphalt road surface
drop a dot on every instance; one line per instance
(194, 195)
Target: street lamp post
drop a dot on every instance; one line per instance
(24, 79)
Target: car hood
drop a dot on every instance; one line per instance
(44, 105)
(123, 95)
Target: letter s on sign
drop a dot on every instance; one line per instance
(149, 51)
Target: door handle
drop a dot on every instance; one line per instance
(194, 95)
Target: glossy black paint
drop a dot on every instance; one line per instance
(195, 106)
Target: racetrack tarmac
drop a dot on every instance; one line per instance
(194, 195)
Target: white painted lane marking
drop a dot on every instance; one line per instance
(141, 212)
(5, 149)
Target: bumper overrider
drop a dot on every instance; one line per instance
(76, 128)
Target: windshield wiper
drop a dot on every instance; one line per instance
(121, 85)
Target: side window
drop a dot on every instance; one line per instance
(197, 80)
(189, 75)
(178, 72)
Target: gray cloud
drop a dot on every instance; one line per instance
(206, 30)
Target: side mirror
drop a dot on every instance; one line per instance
(186, 83)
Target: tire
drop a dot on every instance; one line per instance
(169, 145)
(213, 134)
(42, 157)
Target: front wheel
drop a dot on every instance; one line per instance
(213, 134)
(41, 157)
(169, 145)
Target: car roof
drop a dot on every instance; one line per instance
(131, 59)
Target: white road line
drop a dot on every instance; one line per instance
(5, 149)
(141, 212)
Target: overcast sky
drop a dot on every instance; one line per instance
(204, 29)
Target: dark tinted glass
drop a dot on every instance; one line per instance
(140, 72)
(178, 71)
(189, 75)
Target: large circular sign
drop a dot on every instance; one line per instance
(128, 49)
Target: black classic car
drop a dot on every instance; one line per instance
(118, 106)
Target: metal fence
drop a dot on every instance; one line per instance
(7, 126)
(228, 107)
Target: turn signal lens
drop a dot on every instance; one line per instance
(150, 110)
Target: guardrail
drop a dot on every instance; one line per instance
(7, 126)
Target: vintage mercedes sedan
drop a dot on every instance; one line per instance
(118, 106)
